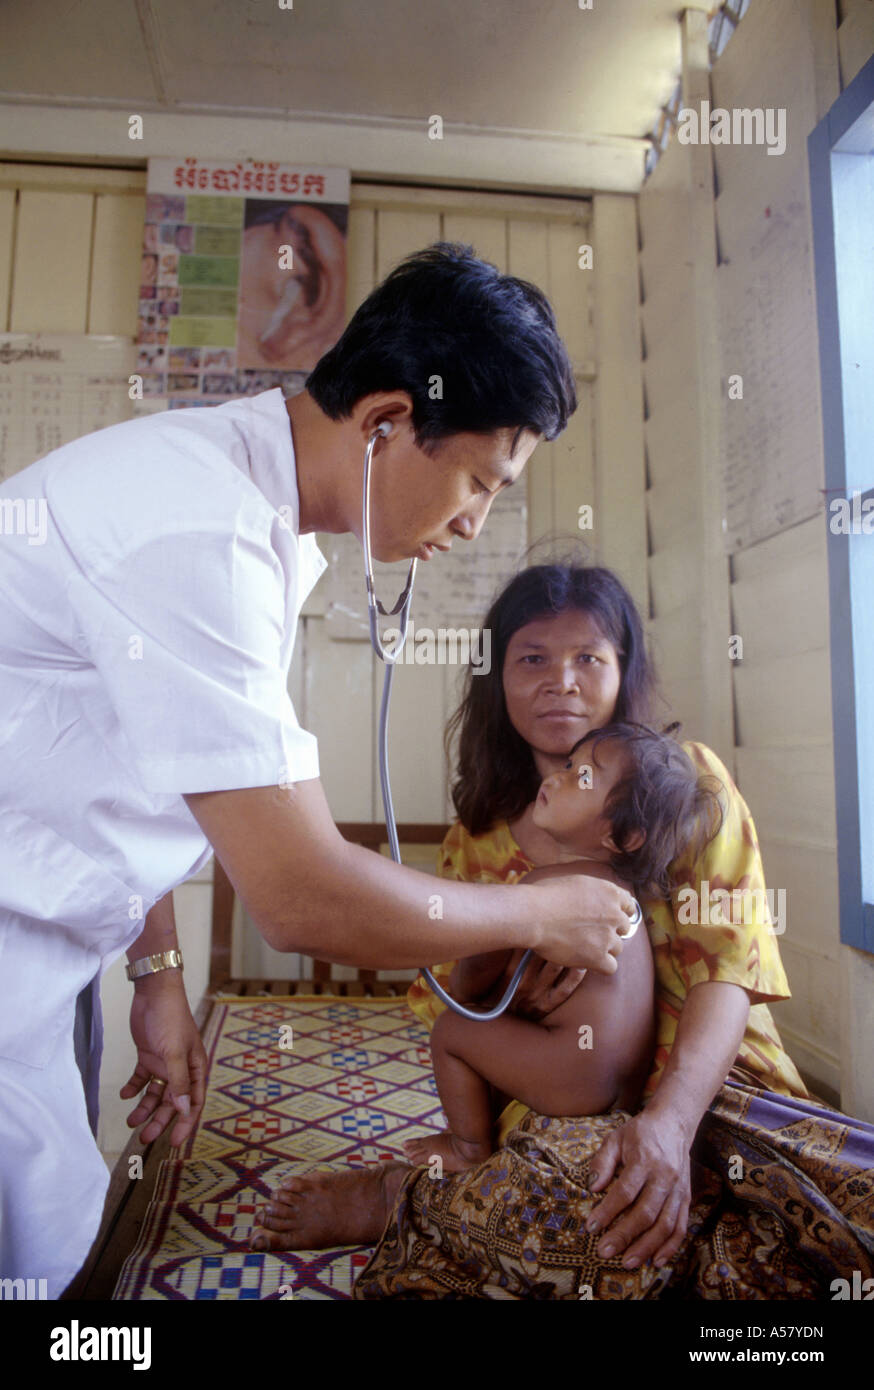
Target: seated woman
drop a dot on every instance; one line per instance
(641, 807)
(568, 657)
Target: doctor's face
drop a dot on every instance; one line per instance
(423, 503)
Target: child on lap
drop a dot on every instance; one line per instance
(627, 803)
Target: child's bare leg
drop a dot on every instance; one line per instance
(543, 1066)
(464, 1095)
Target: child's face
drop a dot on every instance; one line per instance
(570, 803)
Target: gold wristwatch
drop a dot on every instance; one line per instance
(150, 965)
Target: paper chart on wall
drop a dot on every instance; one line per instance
(57, 387)
(772, 438)
(242, 278)
(454, 589)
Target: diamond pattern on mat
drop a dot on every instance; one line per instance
(259, 1090)
(253, 1127)
(356, 1090)
(355, 1085)
(401, 1073)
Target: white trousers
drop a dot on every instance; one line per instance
(53, 1181)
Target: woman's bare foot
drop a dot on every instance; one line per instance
(320, 1210)
(457, 1155)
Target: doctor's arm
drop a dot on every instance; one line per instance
(309, 890)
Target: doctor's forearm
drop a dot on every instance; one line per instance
(309, 890)
(159, 931)
(354, 913)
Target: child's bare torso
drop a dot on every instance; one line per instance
(612, 1012)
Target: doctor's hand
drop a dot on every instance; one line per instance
(582, 914)
(169, 1048)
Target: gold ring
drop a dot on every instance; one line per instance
(159, 1080)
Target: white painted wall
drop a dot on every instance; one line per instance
(769, 717)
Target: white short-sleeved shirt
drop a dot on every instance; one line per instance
(147, 623)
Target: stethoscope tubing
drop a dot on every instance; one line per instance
(402, 608)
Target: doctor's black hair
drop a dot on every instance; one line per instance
(490, 338)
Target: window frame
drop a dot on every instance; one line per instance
(847, 133)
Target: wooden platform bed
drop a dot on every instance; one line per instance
(127, 1200)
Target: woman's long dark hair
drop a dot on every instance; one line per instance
(496, 776)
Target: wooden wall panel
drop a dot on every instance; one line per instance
(808, 876)
(400, 232)
(779, 57)
(811, 1017)
(340, 712)
(570, 288)
(7, 233)
(528, 258)
(51, 274)
(115, 263)
(672, 447)
(674, 639)
(486, 234)
(571, 292)
(574, 480)
(767, 615)
(793, 792)
(672, 439)
(672, 513)
(855, 38)
(783, 701)
(360, 257)
(673, 575)
(619, 442)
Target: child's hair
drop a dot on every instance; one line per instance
(662, 795)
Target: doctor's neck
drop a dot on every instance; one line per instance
(323, 451)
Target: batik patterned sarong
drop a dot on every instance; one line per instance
(783, 1205)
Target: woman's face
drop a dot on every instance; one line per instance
(561, 680)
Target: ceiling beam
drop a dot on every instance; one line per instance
(542, 161)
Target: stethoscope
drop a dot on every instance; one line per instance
(402, 611)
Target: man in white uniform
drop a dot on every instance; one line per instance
(144, 656)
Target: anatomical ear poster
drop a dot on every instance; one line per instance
(242, 280)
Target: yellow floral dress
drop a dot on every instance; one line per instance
(739, 951)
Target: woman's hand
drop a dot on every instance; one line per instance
(169, 1047)
(651, 1154)
(581, 918)
(542, 988)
